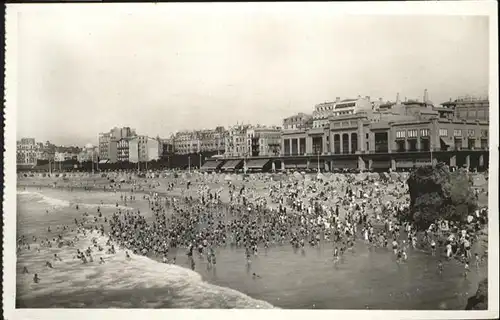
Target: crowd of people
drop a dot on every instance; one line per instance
(296, 213)
(262, 211)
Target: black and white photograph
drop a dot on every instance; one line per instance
(252, 156)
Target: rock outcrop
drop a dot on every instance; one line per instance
(436, 193)
(480, 300)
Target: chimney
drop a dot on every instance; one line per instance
(367, 98)
(397, 99)
(406, 99)
(359, 96)
(337, 99)
(380, 99)
(426, 96)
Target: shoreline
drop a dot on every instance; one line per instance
(156, 259)
(195, 196)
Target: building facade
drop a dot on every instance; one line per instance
(399, 132)
(298, 121)
(167, 148)
(213, 140)
(186, 142)
(323, 111)
(123, 150)
(294, 142)
(28, 151)
(61, 156)
(236, 141)
(199, 141)
(470, 108)
(263, 141)
(108, 142)
(88, 154)
(144, 149)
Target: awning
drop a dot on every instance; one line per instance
(103, 161)
(448, 143)
(257, 163)
(210, 165)
(423, 162)
(404, 164)
(381, 164)
(231, 164)
(345, 164)
(290, 166)
(314, 165)
(301, 165)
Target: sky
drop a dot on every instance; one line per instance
(82, 70)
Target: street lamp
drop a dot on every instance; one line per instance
(318, 159)
(189, 164)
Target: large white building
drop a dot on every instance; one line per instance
(143, 148)
(323, 111)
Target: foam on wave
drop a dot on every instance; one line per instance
(59, 203)
(120, 283)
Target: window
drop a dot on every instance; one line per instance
(401, 146)
(401, 134)
(424, 132)
(484, 133)
(471, 132)
(484, 144)
(471, 143)
(457, 133)
(443, 132)
(412, 133)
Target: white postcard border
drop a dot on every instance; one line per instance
(488, 8)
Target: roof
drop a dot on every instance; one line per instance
(387, 104)
(466, 101)
(349, 100)
(443, 109)
(416, 102)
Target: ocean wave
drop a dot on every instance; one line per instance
(53, 202)
(59, 203)
(119, 282)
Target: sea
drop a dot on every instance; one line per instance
(365, 278)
